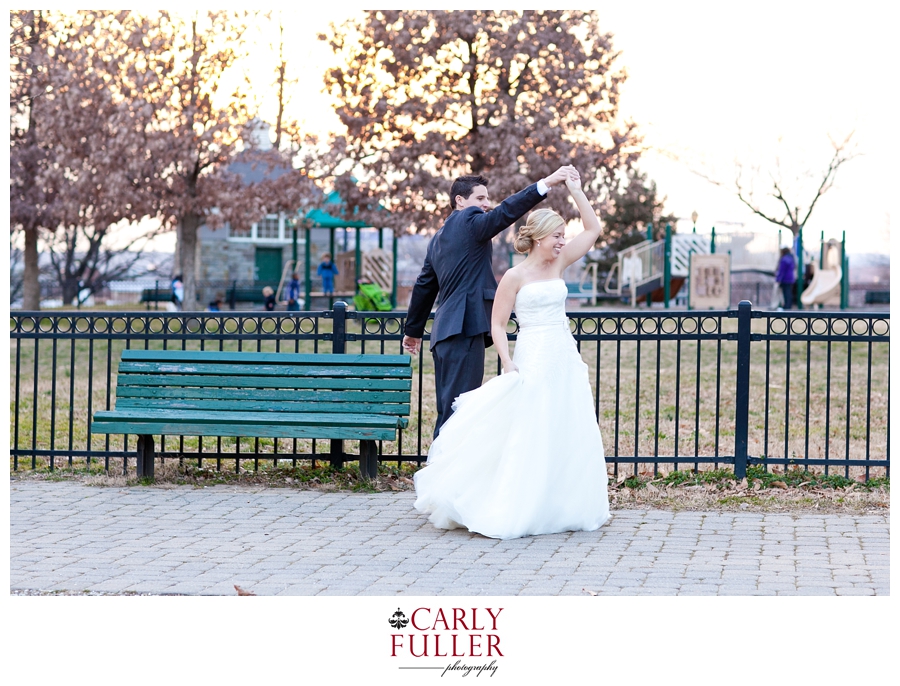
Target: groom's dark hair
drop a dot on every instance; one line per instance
(464, 186)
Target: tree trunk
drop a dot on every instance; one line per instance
(188, 256)
(70, 290)
(31, 284)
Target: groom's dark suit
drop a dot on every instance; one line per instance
(457, 272)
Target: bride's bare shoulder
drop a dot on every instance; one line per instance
(512, 279)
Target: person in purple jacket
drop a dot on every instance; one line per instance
(786, 277)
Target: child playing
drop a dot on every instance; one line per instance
(268, 299)
(327, 270)
(293, 293)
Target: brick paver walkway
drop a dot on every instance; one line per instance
(184, 540)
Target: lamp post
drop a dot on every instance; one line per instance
(694, 216)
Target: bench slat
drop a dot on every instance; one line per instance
(302, 371)
(262, 382)
(270, 394)
(341, 360)
(268, 418)
(162, 428)
(262, 406)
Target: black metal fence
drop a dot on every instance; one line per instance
(672, 390)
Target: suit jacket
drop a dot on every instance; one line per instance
(457, 270)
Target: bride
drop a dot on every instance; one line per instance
(522, 454)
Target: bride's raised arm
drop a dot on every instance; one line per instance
(579, 246)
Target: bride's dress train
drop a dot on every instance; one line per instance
(522, 454)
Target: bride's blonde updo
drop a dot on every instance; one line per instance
(540, 223)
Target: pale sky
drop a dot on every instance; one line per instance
(712, 85)
(713, 82)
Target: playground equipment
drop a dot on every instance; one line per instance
(371, 298)
(586, 287)
(828, 285)
(376, 265)
(655, 269)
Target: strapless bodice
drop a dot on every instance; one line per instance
(542, 303)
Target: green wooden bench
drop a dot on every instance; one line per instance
(156, 295)
(878, 297)
(262, 395)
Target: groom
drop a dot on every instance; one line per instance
(457, 272)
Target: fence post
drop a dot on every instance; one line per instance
(339, 331)
(338, 347)
(742, 399)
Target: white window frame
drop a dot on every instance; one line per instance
(284, 235)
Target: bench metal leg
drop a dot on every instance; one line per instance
(368, 459)
(337, 453)
(145, 455)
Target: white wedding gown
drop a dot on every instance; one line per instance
(522, 454)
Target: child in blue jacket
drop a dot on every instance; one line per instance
(327, 270)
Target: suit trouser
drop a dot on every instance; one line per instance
(458, 368)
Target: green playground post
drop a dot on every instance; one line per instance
(394, 277)
(649, 238)
(307, 285)
(667, 267)
(845, 273)
(331, 252)
(358, 260)
(821, 250)
(690, 271)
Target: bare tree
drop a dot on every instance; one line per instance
(778, 203)
(427, 95)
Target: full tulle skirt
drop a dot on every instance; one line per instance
(522, 454)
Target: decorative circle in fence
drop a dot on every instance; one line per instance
(709, 324)
(628, 325)
(669, 326)
(839, 327)
(860, 327)
(799, 326)
(778, 326)
(689, 325)
(609, 325)
(819, 327)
